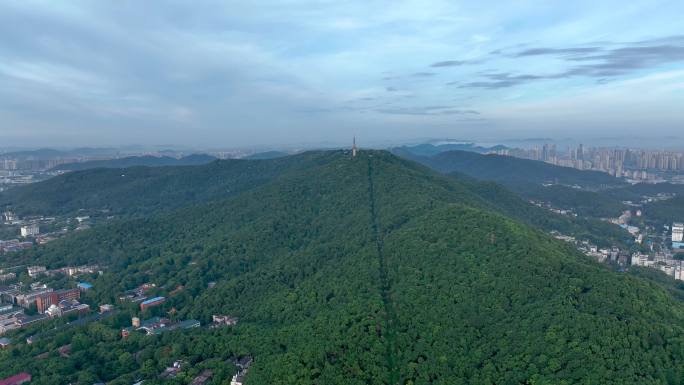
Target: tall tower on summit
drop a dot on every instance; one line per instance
(354, 148)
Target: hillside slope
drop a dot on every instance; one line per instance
(368, 270)
(508, 169)
(535, 180)
(143, 190)
(132, 161)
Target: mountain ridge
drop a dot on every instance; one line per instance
(371, 270)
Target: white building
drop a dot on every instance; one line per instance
(9, 216)
(34, 271)
(677, 232)
(54, 311)
(30, 230)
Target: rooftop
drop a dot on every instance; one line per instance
(151, 300)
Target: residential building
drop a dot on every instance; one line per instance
(677, 235)
(156, 301)
(7, 277)
(34, 271)
(227, 320)
(44, 301)
(30, 230)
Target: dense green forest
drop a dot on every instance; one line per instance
(508, 169)
(667, 211)
(590, 194)
(131, 161)
(138, 191)
(583, 202)
(366, 270)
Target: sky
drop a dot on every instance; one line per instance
(254, 73)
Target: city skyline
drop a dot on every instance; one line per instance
(275, 73)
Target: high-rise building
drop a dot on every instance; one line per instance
(678, 235)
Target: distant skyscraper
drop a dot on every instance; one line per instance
(354, 148)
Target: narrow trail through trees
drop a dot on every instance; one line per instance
(384, 286)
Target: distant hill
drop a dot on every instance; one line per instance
(48, 153)
(141, 191)
(511, 170)
(352, 271)
(427, 149)
(267, 155)
(149, 161)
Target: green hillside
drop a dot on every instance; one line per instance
(535, 180)
(132, 161)
(144, 190)
(508, 169)
(366, 270)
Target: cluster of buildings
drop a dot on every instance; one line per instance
(29, 230)
(662, 262)
(242, 365)
(548, 206)
(16, 299)
(620, 162)
(71, 271)
(223, 320)
(139, 294)
(157, 325)
(14, 245)
(49, 303)
(16, 163)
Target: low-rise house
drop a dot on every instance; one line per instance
(156, 301)
(5, 342)
(34, 271)
(158, 325)
(219, 320)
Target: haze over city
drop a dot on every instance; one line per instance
(274, 73)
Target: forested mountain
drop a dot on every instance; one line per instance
(427, 149)
(511, 170)
(365, 270)
(568, 188)
(266, 155)
(143, 190)
(131, 161)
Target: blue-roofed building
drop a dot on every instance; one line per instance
(152, 302)
(83, 286)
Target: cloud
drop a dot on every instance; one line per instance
(427, 110)
(498, 80)
(449, 63)
(557, 51)
(597, 62)
(453, 63)
(422, 74)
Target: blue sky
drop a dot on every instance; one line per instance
(242, 73)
